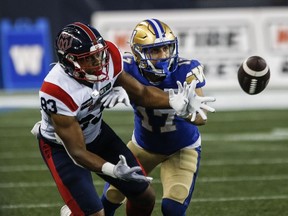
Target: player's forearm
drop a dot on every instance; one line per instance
(147, 96)
(153, 97)
(76, 148)
(87, 159)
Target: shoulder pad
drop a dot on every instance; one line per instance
(128, 59)
(116, 57)
(197, 72)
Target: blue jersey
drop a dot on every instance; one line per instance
(160, 130)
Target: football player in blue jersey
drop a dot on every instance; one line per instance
(160, 137)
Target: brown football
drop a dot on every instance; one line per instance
(254, 75)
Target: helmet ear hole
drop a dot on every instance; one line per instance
(70, 57)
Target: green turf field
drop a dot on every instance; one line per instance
(244, 169)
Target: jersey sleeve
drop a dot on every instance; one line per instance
(56, 100)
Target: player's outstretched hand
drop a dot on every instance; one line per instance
(124, 172)
(179, 101)
(117, 95)
(197, 103)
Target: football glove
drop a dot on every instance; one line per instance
(196, 103)
(65, 211)
(117, 95)
(179, 101)
(122, 171)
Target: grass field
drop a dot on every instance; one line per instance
(244, 169)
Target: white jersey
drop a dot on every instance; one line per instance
(62, 94)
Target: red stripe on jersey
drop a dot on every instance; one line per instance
(116, 57)
(64, 191)
(87, 30)
(60, 94)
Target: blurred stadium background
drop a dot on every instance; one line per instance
(244, 169)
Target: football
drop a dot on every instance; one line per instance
(254, 75)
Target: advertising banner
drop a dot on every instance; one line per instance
(221, 39)
(25, 53)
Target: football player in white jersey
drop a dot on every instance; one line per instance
(73, 138)
(160, 137)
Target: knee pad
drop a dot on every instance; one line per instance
(177, 175)
(177, 192)
(114, 195)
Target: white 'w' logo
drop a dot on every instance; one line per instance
(27, 59)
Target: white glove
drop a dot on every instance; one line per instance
(122, 171)
(197, 103)
(179, 101)
(117, 95)
(65, 211)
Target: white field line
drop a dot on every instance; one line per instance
(230, 118)
(29, 206)
(229, 199)
(276, 134)
(242, 179)
(158, 201)
(22, 168)
(155, 181)
(25, 155)
(33, 154)
(245, 137)
(19, 155)
(244, 162)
